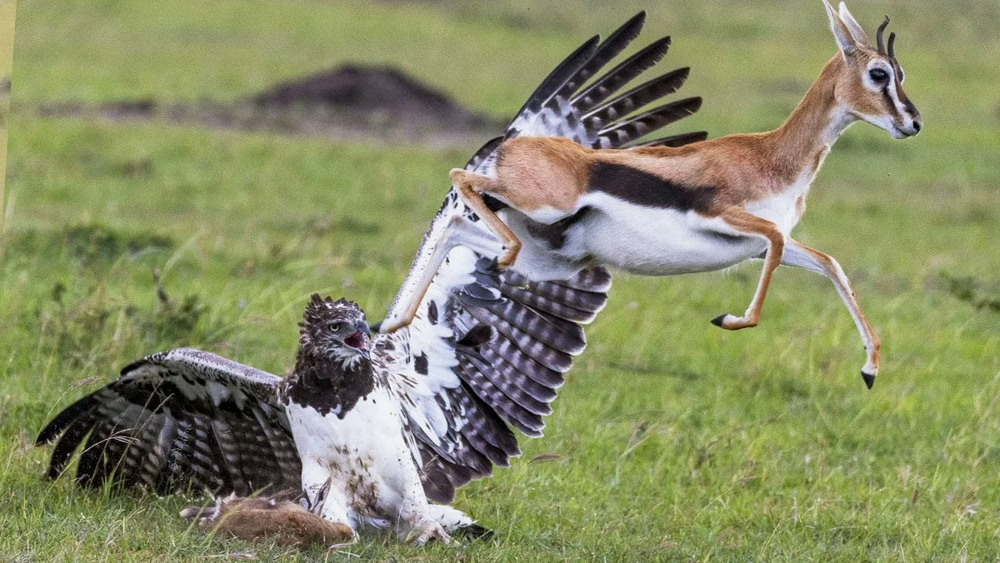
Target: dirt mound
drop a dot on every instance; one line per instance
(384, 92)
(350, 102)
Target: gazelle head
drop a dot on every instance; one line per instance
(871, 86)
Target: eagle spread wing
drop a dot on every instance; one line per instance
(489, 348)
(179, 419)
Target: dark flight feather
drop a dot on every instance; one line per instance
(183, 419)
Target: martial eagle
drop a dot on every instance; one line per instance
(350, 426)
(189, 419)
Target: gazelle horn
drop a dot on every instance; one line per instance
(878, 35)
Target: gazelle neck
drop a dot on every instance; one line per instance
(805, 138)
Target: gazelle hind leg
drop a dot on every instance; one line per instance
(459, 232)
(748, 223)
(467, 183)
(802, 256)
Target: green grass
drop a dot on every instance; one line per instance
(677, 441)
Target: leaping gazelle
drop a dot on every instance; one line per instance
(708, 205)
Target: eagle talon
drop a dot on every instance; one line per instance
(423, 533)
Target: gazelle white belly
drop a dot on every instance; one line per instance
(781, 208)
(657, 241)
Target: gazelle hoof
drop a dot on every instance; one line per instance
(869, 378)
(730, 322)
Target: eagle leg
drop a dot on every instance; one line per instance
(426, 531)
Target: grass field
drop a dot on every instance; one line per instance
(675, 441)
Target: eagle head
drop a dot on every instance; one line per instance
(335, 330)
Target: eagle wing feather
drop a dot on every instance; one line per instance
(177, 420)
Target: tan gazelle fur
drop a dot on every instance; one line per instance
(708, 205)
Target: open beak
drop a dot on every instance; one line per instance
(359, 339)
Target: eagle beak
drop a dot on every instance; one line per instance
(362, 327)
(359, 339)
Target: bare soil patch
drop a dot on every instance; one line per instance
(347, 103)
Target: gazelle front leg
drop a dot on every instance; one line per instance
(802, 256)
(748, 223)
(467, 183)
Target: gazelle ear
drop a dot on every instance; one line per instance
(857, 32)
(845, 40)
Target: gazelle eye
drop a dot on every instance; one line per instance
(878, 75)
